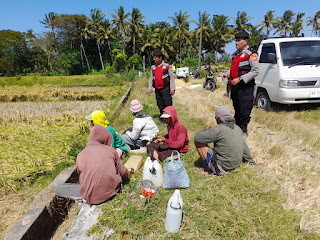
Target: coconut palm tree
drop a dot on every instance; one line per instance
(313, 21)
(297, 25)
(222, 33)
(181, 33)
(283, 24)
(146, 40)
(95, 25)
(242, 21)
(50, 22)
(163, 41)
(135, 25)
(268, 23)
(121, 23)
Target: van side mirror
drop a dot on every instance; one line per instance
(272, 58)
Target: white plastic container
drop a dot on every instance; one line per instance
(174, 212)
(152, 171)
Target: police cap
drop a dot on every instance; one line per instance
(242, 34)
(157, 53)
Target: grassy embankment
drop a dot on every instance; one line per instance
(42, 127)
(277, 202)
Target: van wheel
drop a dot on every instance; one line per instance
(263, 101)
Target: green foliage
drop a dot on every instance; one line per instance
(135, 59)
(130, 75)
(68, 63)
(190, 62)
(119, 61)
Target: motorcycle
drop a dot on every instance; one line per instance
(210, 83)
(196, 74)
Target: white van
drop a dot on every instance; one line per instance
(289, 71)
(183, 72)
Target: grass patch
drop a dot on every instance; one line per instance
(244, 204)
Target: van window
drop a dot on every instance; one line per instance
(305, 52)
(267, 48)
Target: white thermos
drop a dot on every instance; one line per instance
(174, 212)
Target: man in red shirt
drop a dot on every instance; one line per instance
(161, 81)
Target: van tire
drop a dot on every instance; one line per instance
(263, 101)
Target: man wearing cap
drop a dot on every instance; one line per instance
(244, 68)
(144, 129)
(230, 149)
(161, 81)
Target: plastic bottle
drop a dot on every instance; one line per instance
(152, 171)
(174, 212)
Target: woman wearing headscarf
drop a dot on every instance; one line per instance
(99, 167)
(99, 118)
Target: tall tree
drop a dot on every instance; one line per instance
(181, 24)
(50, 21)
(135, 25)
(313, 21)
(242, 21)
(268, 23)
(163, 41)
(283, 24)
(297, 25)
(222, 33)
(121, 22)
(95, 23)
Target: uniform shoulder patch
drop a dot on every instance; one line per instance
(254, 57)
(153, 68)
(243, 55)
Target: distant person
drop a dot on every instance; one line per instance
(99, 118)
(144, 129)
(176, 139)
(230, 149)
(99, 167)
(244, 68)
(161, 81)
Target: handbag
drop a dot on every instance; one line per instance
(175, 174)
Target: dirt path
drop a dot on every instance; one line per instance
(293, 167)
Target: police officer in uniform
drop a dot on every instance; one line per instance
(244, 68)
(161, 81)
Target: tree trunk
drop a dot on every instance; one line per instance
(110, 51)
(85, 56)
(200, 45)
(180, 52)
(134, 49)
(100, 57)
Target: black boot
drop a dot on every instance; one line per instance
(244, 129)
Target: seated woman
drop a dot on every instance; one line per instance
(144, 128)
(176, 139)
(99, 118)
(99, 167)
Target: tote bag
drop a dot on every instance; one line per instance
(175, 174)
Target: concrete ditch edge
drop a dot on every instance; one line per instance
(48, 211)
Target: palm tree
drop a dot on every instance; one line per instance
(135, 24)
(222, 33)
(242, 21)
(203, 31)
(181, 24)
(95, 25)
(146, 40)
(283, 24)
(268, 23)
(313, 21)
(120, 21)
(50, 22)
(297, 25)
(163, 41)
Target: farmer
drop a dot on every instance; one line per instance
(244, 68)
(176, 139)
(99, 118)
(230, 149)
(162, 80)
(99, 167)
(144, 128)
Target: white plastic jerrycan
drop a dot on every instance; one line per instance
(174, 212)
(152, 171)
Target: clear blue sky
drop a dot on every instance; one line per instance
(21, 15)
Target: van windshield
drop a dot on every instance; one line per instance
(304, 52)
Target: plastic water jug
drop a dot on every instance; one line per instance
(174, 212)
(152, 171)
